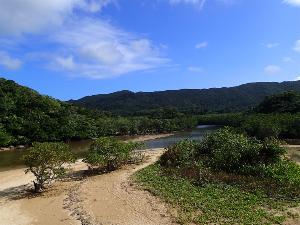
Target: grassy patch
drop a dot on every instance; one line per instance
(214, 203)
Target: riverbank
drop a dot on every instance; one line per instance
(137, 138)
(104, 199)
(12, 159)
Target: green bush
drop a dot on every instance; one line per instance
(179, 154)
(224, 150)
(284, 171)
(261, 126)
(109, 153)
(45, 161)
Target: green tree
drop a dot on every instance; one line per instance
(45, 161)
(5, 138)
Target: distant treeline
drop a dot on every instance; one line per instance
(188, 101)
(276, 116)
(26, 117)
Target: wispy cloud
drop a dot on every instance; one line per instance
(32, 16)
(9, 62)
(80, 44)
(271, 45)
(272, 69)
(196, 69)
(292, 2)
(297, 78)
(287, 59)
(96, 49)
(297, 46)
(198, 3)
(201, 45)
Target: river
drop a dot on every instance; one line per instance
(12, 159)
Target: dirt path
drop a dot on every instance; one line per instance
(109, 199)
(112, 199)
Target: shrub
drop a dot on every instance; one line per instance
(178, 154)
(262, 127)
(45, 161)
(224, 150)
(109, 153)
(229, 151)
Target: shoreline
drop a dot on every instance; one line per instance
(109, 198)
(134, 138)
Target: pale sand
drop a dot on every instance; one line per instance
(103, 199)
(113, 199)
(149, 137)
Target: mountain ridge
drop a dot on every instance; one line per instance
(225, 99)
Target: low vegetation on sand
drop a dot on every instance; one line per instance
(228, 178)
(48, 161)
(45, 161)
(109, 154)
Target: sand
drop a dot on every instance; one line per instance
(108, 199)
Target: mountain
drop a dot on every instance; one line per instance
(224, 99)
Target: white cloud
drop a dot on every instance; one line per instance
(198, 3)
(297, 78)
(87, 47)
(292, 2)
(201, 45)
(272, 69)
(31, 16)
(96, 49)
(287, 59)
(297, 46)
(271, 45)
(196, 69)
(65, 62)
(8, 62)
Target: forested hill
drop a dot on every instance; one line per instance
(26, 117)
(230, 99)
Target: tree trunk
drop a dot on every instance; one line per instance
(37, 187)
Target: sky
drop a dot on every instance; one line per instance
(73, 48)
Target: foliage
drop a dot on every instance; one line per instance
(227, 178)
(110, 153)
(5, 138)
(214, 100)
(261, 126)
(224, 150)
(27, 117)
(45, 161)
(287, 102)
(178, 154)
(214, 203)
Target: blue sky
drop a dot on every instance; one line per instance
(73, 48)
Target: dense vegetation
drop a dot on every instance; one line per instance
(235, 99)
(286, 102)
(26, 117)
(278, 116)
(228, 178)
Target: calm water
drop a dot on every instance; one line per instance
(12, 159)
